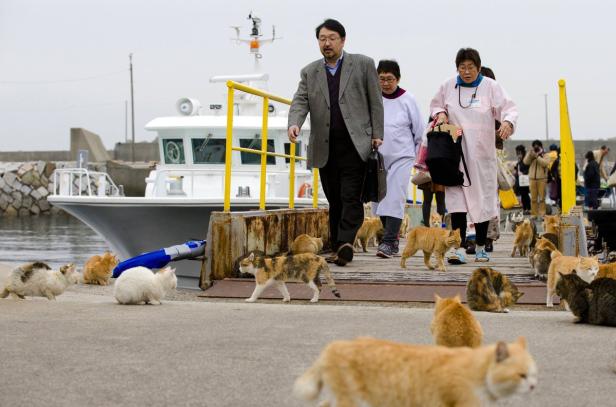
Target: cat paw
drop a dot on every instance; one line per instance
(549, 305)
(506, 310)
(286, 299)
(314, 300)
(250, 299)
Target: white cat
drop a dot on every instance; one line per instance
(139, 285)
(39, 280)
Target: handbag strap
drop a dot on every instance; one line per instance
(459, 143)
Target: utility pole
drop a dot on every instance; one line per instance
(132, 108)
(547, 134)
(126, 121)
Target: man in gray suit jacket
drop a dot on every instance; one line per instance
(342, 94)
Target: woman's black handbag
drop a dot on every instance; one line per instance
(375, 179)
(444, 156)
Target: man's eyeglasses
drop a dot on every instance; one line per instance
(389, 79)
(332, 38)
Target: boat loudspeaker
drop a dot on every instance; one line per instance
(188, 106)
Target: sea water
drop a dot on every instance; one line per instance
(53, 239)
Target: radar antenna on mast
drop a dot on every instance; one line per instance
(255, 41)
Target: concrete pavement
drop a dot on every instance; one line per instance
(86, 350)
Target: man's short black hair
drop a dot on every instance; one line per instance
(389, 66)
(520, 149)
(604, 147)
(553, 147)
(333, 25)
(468, 54)
(537, 143)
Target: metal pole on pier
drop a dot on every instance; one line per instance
(132, 109)
(126, 121)
(547, 134)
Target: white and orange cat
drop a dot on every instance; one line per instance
(585, 267)
(454, 324)
(379, 373)
(436, 220)
(524, 234)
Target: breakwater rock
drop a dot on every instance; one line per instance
(24, 187)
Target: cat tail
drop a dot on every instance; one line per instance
(329, 279)
(308, 386)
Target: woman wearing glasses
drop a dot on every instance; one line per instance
(473, 102)
(402, 138)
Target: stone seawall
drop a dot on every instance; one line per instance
(24, 187)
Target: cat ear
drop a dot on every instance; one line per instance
(457, 298)
(502, 352)
(252, 256)
(437, 298)
(573, 272)
(522, 342)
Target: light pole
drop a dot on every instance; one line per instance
(132, 109)
(547, 134)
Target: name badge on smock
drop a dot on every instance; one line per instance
(475, 103)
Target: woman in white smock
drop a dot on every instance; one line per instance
(401, 141)
(472, 102)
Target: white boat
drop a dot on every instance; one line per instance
(188, 182)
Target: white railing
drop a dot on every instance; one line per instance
(64, 180)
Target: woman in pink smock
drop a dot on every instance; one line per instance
(473, 102)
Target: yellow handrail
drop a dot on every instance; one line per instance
(568, 177)
(231, 85)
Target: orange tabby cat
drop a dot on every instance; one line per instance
(585, 267)
(523, 237)
(306, 244)
(551, 224)
(368, 231)
(97, 269)
(436, 220)
(607, 271)
(454, 324)
(430, 240)
(373, 372)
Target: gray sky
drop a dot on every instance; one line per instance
(179, 44)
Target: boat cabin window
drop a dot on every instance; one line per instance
(173, 149)
(255, 143)
(287, 150)
(208, 150)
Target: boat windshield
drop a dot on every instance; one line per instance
(255, 143)
(208, 150)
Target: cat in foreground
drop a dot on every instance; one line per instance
(39, 280)
(139, 285)
(306, 244)
(305, 267)
(379, 373)
(98, 269)
(586, 268)
(593, 303)
(489, 290)
(454, 324)
(430, 240)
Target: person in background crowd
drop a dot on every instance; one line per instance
(538, 173)
(592, 181)
(522, 179)
(342, 94)
(402, 138)
(494, 225)
(473, 102)
(601, 159)
(432, 191)
(552, 187)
